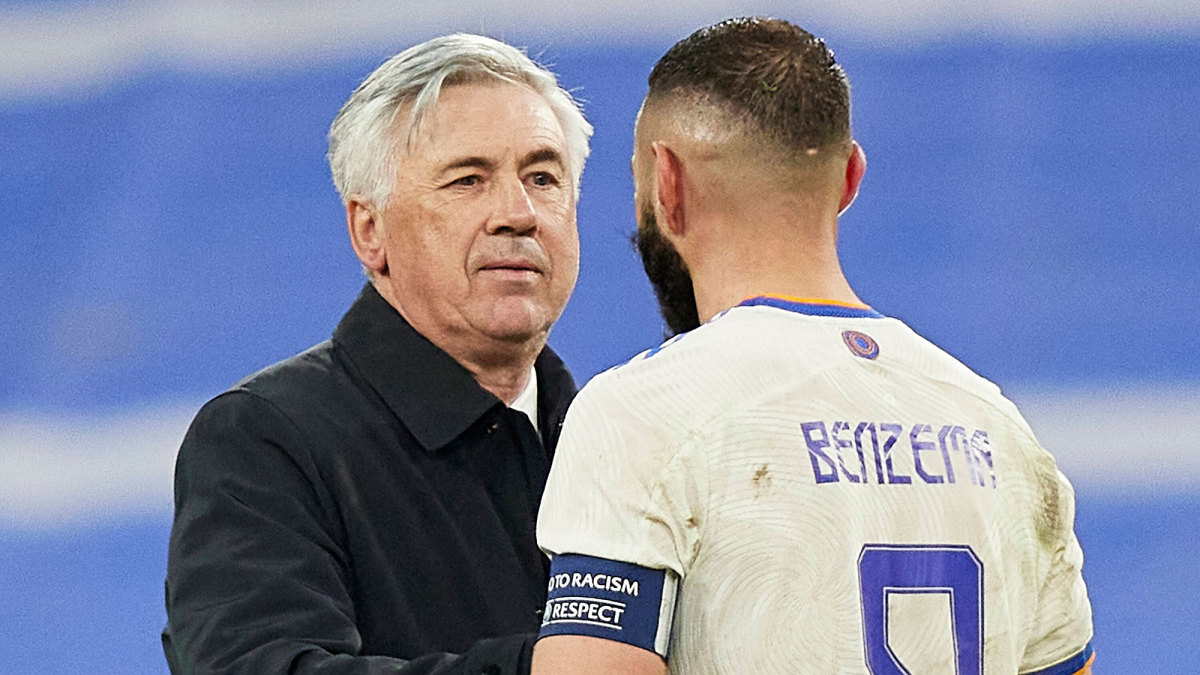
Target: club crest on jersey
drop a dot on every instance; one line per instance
(861, 344)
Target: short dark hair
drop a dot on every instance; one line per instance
(774, 77)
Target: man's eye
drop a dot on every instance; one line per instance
(467, 181)
(543, 179)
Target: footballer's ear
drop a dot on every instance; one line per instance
(856, 166)
(668, 184)
(366, 234)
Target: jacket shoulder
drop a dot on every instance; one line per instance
(314, 393)
(315, 378)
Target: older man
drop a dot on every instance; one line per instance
(798, 483)
(368, 505)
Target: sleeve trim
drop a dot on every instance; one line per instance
(1073, 665)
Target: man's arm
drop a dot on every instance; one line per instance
(583, 655)
(621, 502)
(1063, 616)
(257, 574)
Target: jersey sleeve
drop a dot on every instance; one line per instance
(620, 518)
(1061, 640)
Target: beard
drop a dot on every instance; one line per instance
(667, 274)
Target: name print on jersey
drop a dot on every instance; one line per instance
(933, 453)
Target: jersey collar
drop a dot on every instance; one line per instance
(813, 306)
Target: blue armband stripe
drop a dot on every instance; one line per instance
(608, 599)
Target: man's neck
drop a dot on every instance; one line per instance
(737, 273)
(506, 383)
(502, 367)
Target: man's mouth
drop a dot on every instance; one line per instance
(511, 266)
(511, 271)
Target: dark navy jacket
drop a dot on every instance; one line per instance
(362, 507)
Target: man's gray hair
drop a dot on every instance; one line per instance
(362, 148)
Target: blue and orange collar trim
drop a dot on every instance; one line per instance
(813, 306)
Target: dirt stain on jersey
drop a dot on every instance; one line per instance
(1050, 524)
(761, 480)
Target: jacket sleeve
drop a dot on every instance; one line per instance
(256, 570)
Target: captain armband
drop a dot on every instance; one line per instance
(611, 600)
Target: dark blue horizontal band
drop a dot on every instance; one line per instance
(608, 599)
(1069, 667)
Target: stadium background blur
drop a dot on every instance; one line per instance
(1032, 204)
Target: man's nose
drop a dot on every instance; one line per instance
(513, 209)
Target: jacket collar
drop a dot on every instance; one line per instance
(435, 397)
(556, 389)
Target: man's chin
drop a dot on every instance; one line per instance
(518, 320)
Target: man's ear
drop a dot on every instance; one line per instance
(855, 168)
(366, 234)
(668, 184)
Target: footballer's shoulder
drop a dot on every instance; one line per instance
(685, 355)
(697, 373)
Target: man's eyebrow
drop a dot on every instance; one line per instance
(468, 162)
(544, 155)
(535, 157)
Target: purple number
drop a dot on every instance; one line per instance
(884, 569)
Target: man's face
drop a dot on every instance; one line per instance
(479, 230)
(664, 267)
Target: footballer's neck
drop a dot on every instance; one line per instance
(721, 285)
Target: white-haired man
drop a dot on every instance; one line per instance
(368, 505)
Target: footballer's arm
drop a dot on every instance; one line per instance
(586, 655)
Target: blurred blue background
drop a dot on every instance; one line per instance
(1032, 204)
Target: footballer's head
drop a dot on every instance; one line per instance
(743, 108)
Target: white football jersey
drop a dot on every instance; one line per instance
(832, 493)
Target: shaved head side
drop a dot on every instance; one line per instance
(770, 82)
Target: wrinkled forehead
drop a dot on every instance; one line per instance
(491, 117)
